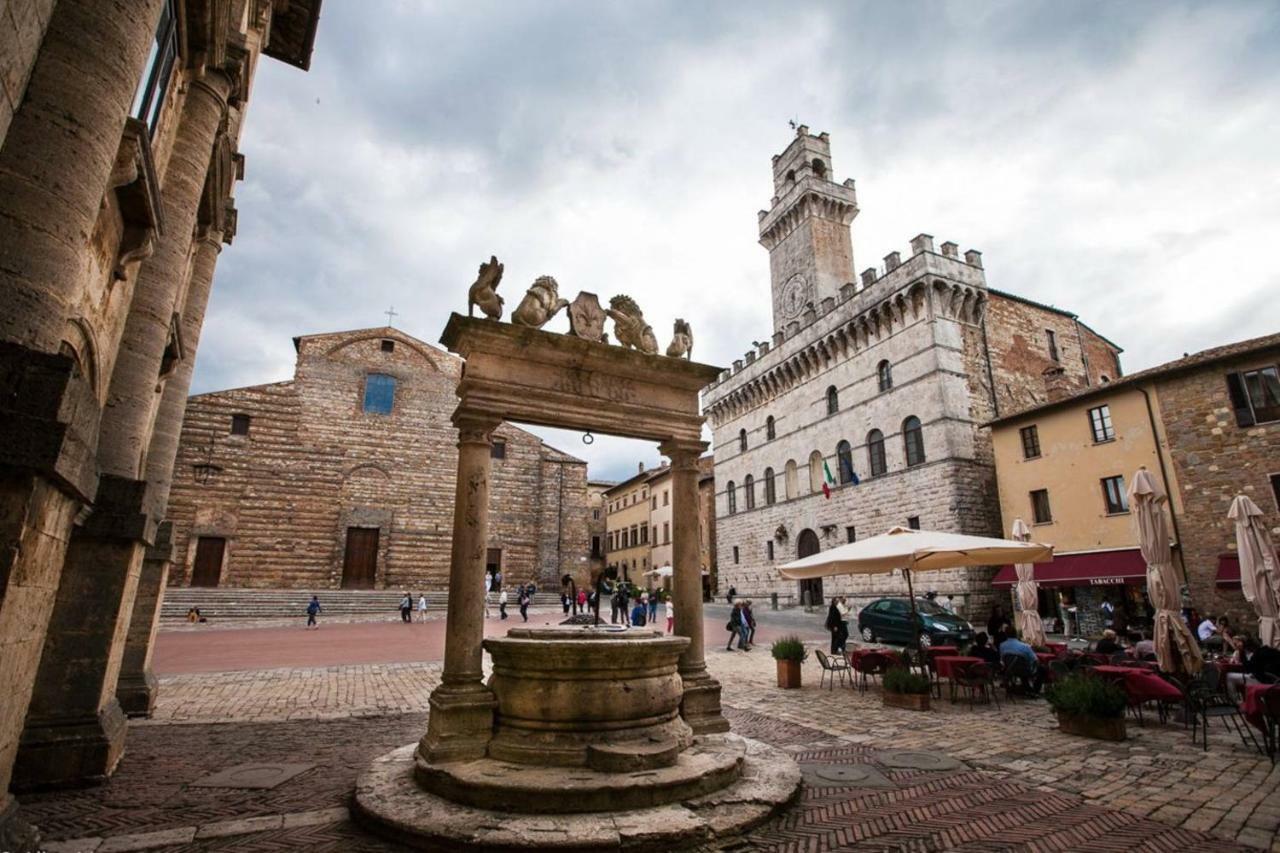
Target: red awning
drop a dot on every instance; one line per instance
(1228, 570)
(1104, 568)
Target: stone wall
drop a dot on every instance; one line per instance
(1215, 460)
(315, 463)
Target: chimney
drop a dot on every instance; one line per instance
(973, 258)
(1056, 384)
(922, 243)
(951, 250)
(891, 261)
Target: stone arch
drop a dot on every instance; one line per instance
(791, 482)
(815, 471)
(347, 343)
(79, 345)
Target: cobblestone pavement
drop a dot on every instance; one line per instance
(1019, 784)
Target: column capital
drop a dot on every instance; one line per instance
(683, 453)
(475, 427)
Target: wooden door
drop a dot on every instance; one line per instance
(361, 561)
(806, 546)
(208, 566)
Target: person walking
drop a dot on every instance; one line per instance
(524, 603)
(653, 607)
(422, 607)
(735, 628)
(842, 607)
(502, 604)
(615, 604)
(749, 619)
(733, 590)
(582, 601)
(624, 602)
(833, 625)
(312, 609)
(406, 608)
(670, 613)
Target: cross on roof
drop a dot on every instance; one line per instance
(391, 313)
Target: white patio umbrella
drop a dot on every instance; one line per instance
(914, 550)
(1175, 647)
(1259, 577)
(1030, 625)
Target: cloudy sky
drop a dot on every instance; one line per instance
(1115, 159)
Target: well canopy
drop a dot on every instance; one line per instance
(919, 550)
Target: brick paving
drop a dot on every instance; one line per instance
(1022, 786)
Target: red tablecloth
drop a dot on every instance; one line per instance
(1224, 667)
(934, 651)
(1141, 685)
(946, 663)
(1045, 657)
(857, 654)
(1251, 707)
(1056, 648)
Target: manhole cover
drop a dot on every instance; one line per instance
(909, 760)
(844, 776)
(252, 776)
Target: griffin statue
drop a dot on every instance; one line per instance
(485, 291)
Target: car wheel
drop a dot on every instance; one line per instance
(868, 634)
(925, 640)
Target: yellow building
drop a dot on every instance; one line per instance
(660, 554)
(627, 527)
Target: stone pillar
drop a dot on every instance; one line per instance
(701, 704)
(132, 402)
(58, 155)
(137, 686)
(461, 721)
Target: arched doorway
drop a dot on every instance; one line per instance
(806, 546)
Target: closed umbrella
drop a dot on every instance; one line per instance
(1029, 624)
(1259, 578)
(1176, 649)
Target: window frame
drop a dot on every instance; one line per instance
(770, 488)
(749, 491)
(1035, 507)
(730, 490)
(735, 555)
(1121, 505)
(884, 375)
(1241, 398)
(162, 57)
(498, 448)
(770, 429)
(916, 432)
(844, 462)
(913, 522)
(1033, 433)
(372, 379)
(1103, 421)
(239, 418)
(1052, 338)
(742, 441)
(833, 400)
(876, 454)
(768, 549)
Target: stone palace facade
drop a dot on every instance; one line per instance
(884, 381)
(344, 477)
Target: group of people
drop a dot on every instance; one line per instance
(741, 626)
(407, 608)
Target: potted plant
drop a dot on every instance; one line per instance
(1088, 706)
(906, 689)
(789, 652)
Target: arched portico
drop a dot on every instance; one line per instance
(525, 375)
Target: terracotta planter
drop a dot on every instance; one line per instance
(789, 674)
(1100, 728)
(910, 701)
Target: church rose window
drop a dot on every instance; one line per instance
(379, 393)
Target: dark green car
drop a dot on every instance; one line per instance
(889, 620)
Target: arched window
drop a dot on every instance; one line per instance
(884, 375)
(833, 400)
(844, 459)
(379, 393)
(791, 176)
(815, 471)
(731, 495)
(819, 168)
(742, 441)
(769, 432)
(770, 491)
(875, 453)
(913, 440)
(749, 489)
(792, 480)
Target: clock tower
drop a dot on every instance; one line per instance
(806, 230)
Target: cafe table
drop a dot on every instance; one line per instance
(1141, 685)
(1056, 648)
(945, 666)
(1252, 708)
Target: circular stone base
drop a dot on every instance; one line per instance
(390, 802)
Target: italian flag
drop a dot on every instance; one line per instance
(827, 480)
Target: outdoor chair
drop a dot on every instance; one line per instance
(831, 667)
(873, 665)
(975, 679)
(1271, 722)
(1060, 668)
(1206, 699)
(1018, 676)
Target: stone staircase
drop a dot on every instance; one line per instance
(229, 603)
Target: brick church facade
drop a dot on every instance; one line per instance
(885, 381)
(344, 477)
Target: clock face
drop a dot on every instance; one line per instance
(794, 296)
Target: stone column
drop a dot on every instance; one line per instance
(701, 704)
(461, 721)
(56, 163)
(132, 402)
(137, 686)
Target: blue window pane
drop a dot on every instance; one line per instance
(379, 393)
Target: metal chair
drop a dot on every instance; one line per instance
(1205, 699)
(1271, 721)
(1016, 668)
(832, 667)
(874, 664)
(974, 679)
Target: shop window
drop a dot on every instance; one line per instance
(1100, 424)
(1113, 495)
(1255, 396)
(1040, 507)
(1030, 442)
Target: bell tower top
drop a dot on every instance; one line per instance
(806, 229)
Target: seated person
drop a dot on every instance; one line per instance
(638, 614)
(1108, 645)
(1206, 629)
(1015, 647)
(1145, 648)
(981, 649)
(1261, 662)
